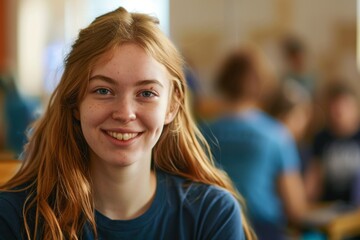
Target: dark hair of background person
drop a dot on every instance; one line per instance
(245, 74)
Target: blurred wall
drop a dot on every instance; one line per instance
(2, 34)
(204, 29)
(3, 30)
(8, 23)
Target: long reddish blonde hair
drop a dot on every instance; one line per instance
(55, 168)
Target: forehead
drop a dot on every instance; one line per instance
(130, 62)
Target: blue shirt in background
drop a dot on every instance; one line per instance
(254, 149)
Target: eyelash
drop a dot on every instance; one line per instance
(99, 90)
(105, 91)
(153, 94)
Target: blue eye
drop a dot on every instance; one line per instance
(102, 91)
(147, 94)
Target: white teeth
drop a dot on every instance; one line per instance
(122, 136)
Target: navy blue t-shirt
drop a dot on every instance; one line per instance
(181, 210)
(340, 159)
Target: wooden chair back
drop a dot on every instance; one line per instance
(8, 168)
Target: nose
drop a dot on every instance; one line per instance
(124, 111)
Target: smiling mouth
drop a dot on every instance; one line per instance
(122, 136)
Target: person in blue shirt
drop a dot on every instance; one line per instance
(255, 150)
(116, 155)
(17, 116)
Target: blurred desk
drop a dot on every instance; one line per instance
(8, 168)
(336, 220)
(347, 224)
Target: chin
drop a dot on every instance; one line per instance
(121, 162)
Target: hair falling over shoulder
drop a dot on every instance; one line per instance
(55, 170)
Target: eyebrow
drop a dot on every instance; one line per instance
(103, 78)
(149, 81)
(139, 83)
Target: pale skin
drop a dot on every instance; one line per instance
(291, 186)
(122, 117)
(292, 192)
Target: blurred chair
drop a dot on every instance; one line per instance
(8, 168)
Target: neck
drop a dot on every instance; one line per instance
(123, 193)
(346, 131)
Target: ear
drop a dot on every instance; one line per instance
(76, 114)
(172, 111)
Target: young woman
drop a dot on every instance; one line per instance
(117, 155)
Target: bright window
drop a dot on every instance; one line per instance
(41, 49)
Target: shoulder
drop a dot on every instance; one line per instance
(211, 127)
(263, 123)
(188, 188)
(11, 202)
(212, 207)
(11, 219)
(272, 130)
(274, 124)
(191, 192)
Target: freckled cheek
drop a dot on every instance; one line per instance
(93, 113)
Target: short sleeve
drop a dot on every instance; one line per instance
(287, 155)
(221, 218)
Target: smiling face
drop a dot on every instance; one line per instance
(125, 107)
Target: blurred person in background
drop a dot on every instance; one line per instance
(16, 115)
(292, 105)
(336, 148)
(296, 63)
(257, 151)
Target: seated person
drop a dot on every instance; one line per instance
(292, 105)
(256, 150)
(336, 148)
(16, 114)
